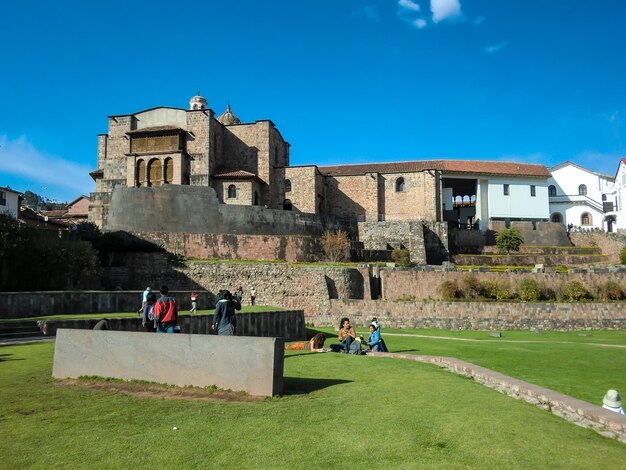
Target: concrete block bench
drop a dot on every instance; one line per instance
(251, 364)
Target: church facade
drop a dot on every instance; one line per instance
(248, 164)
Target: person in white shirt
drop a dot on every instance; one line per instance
(612, 401)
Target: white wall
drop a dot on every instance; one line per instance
(519, 204)
(11, 207)
(162, 117)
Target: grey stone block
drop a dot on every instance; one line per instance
(252, 364)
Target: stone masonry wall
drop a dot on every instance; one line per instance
(610, 243)
(425, 284)
(477, 315)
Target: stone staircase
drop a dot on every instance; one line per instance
(530, 255)
(20, 330)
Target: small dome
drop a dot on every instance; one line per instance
(227, 117)
(197, 102)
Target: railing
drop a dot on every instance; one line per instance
(577, 198)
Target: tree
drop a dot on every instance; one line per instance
(336, 245)
(509, 239)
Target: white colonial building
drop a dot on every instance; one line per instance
(9, 202)
(580, 198)
(616, 213)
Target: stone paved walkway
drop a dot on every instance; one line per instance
(603, 421)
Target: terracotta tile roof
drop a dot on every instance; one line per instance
(446, 166)
(237, 174)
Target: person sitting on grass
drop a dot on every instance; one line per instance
(346, 336)
(315, 344)
(612, 401)
(374, 341)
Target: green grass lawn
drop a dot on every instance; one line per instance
(339, 410)
(583, 367)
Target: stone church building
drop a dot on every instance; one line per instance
(248, 165)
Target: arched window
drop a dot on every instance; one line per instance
(169, 171)
(287, 205)
(140, 174)
(400, 186)
(232, 191)
(556, 217)
(287, 186)
(256, 198)
(551, 190)
(155, 173)
(582, 190)
(585, 219)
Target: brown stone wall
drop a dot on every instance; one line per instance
(346, 195)
(610, 243)
(417, 201)
(303, 194)
(229, 246)
(245, 192)
(476, 315)
(198, 145)
(424, 284)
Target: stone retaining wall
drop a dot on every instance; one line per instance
(477, 315)
(287, 324)
(397, 283)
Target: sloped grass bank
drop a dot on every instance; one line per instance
(339, 410)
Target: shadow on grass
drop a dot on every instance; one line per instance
(7, 357)
(297, 385)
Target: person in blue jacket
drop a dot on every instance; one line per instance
(374, 341)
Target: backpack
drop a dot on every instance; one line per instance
(355, 348)
(151, 312)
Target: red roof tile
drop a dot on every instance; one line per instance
(445, 166)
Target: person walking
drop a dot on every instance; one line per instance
(148, 313)
(239, 294)
(252, 295)
(194, 302)
(144, 299)
(165, 312)
(224, 318)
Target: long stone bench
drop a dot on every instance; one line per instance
(251, 364)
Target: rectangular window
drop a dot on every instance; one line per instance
(3, 198)
(505, 187)
(533, 193)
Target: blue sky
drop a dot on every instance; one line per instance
(538, 81)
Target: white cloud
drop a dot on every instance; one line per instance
(479, 20)
(409, 5)
(419, 23)
(20, 158)
(495, 48)
(443, 9)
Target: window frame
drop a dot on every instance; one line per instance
(506, 190)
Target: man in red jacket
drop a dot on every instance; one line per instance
(165, 312)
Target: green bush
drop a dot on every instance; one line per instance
(509, 239)
(472, 286)
(574, 290)
(529, 290)
(498, 290)
(449, 290)
(401, 257)
(622, 256)
(611, 290)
